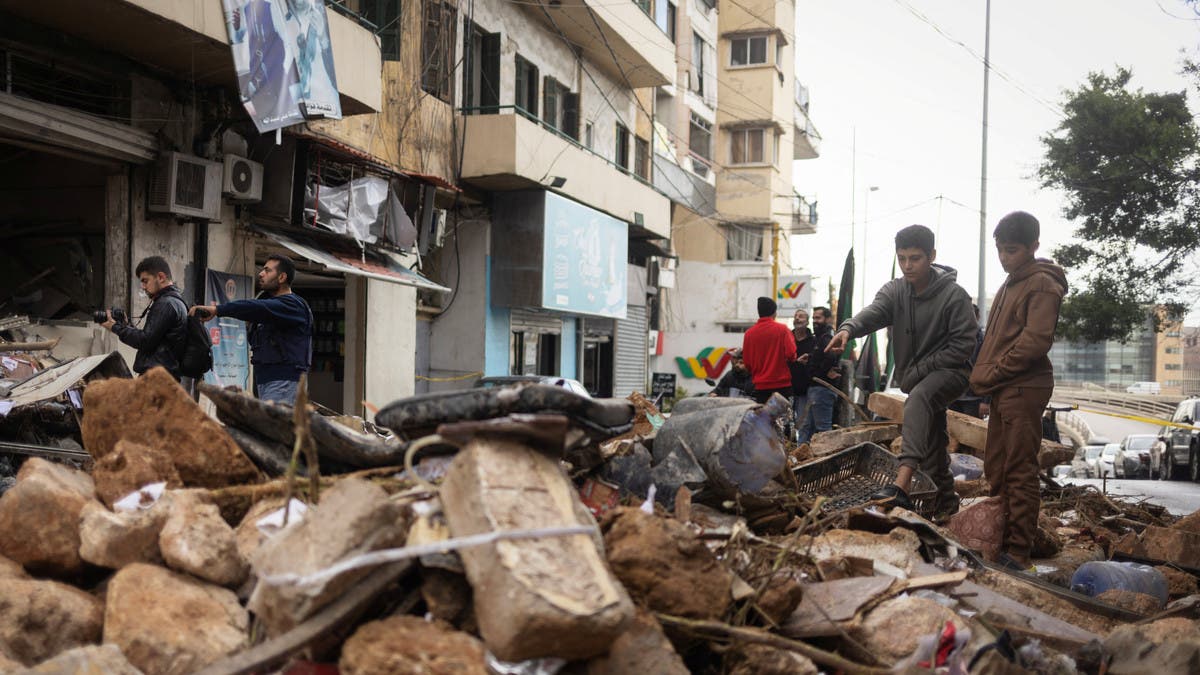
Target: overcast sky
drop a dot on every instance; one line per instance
(909, 99)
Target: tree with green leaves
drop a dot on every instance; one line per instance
(1128, 162)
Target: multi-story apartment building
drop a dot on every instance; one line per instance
(738, 140)
(1191, 361)
(1148, 356)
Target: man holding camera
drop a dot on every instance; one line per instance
(158, 341)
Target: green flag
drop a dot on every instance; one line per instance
(845, 308)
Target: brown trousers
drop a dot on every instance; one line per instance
(1010, 462)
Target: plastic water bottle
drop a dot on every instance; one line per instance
(1094, 578)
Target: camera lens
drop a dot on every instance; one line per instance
(118, 315)
(99, 316)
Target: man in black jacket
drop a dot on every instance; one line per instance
(801, 376)
(821, 365)
(159, 341)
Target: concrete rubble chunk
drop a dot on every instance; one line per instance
(246, 535)
(764, 660)
(829, 442)
(1138, 603)
(130, 466)
(532, 597)
(11, 569)
(353, 517)
(8, 665)
(171, 624)
(90, 660)
(1179, 583)
(39, 518)
(1168, 545)
(114, 540)
(898, 547)
(410, 644)
(203, 454)
(642, 648)
(665, 566)
(1164, 646)
(39, 619)
(195, 539)
(891, 630)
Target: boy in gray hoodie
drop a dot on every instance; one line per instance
(932, 337)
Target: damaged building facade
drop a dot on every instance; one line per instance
(122, 136)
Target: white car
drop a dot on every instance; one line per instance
(1108, 457)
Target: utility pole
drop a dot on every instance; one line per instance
(866, 239)
(981, 297)
(774, 260)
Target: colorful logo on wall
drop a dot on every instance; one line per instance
(790, 291)
(710, 362)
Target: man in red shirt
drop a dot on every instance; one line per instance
(767, 348)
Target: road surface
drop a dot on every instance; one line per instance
(1179, 497)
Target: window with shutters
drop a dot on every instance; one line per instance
(437, 49)
(621, 156)
(481, 71)
(641, 158)
(527, 88)
(385, 15)
(560, 108)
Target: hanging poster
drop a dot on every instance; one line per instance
(284, 60)
(231, 348)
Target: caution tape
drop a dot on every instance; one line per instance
(468, 376)
(1140, 418)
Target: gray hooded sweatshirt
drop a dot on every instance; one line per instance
(931, 330)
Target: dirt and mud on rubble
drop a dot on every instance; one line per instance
(531, 530)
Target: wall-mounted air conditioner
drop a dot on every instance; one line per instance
(186, 185)
(243, 181)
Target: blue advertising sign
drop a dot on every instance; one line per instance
(284, 60)
(584, 258)
(231, 348)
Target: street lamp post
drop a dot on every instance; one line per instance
(866, 241)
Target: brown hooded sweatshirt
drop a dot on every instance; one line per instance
(1020, 330)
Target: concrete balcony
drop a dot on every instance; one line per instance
(188, 39)
(804, 216)
(684, 187)
(644, 53)
(807, 143)
(507, 151)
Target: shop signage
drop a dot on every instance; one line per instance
(795, 292)
(710, 362)
(584, 260)
(231, 350)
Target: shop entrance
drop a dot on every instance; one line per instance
(326, 296)
(597, 368)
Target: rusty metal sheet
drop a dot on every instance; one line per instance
(53, 382)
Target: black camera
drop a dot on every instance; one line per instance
(118, 315)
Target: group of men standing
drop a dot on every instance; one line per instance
(934, 337)
(280, 332)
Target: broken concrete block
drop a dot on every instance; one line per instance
(410, 644)
(891, 630)
(533, 597)
(1180, 584)
(898, 547)
(642, 648)
(39, 517)
(90, 660)
(10, 569)
(195, 539)
(354, 517)
(1164, 646)
(780, 596)
(1171, 545)
(828, 605)
(967, 430)
(130, 466)
(203, 454)
(665, 566)
(1138, 603)
(170, 623)
(39, 619)
(246, 535)
(751, 659)
(114, 540)
(1189, 523)
(829, 442)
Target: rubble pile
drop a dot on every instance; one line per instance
(530, 530)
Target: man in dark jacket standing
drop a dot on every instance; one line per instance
(160, 340)
(933, 335)
(800, 374)
(1013, 367)
(823, 365)
(280, 332)
(768, 348)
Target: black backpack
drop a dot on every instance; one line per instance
(195, 352)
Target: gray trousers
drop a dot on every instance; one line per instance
(924, 429)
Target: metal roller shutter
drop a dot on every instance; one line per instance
(534, 322)
(629, 353)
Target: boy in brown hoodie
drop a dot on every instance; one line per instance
(1013, 367)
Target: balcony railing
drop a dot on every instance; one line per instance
(532, 117)
(804, 215)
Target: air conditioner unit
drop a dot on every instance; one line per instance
(186, 185)
(243, 182)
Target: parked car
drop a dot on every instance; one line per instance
(1106, 465)
(1183, 443)
(1134, 457)
(1090, 455)
(553, 380)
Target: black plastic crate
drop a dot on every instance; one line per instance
(849, 478)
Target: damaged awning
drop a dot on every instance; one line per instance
(381, 267)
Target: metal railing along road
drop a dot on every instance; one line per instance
(1158, 407)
